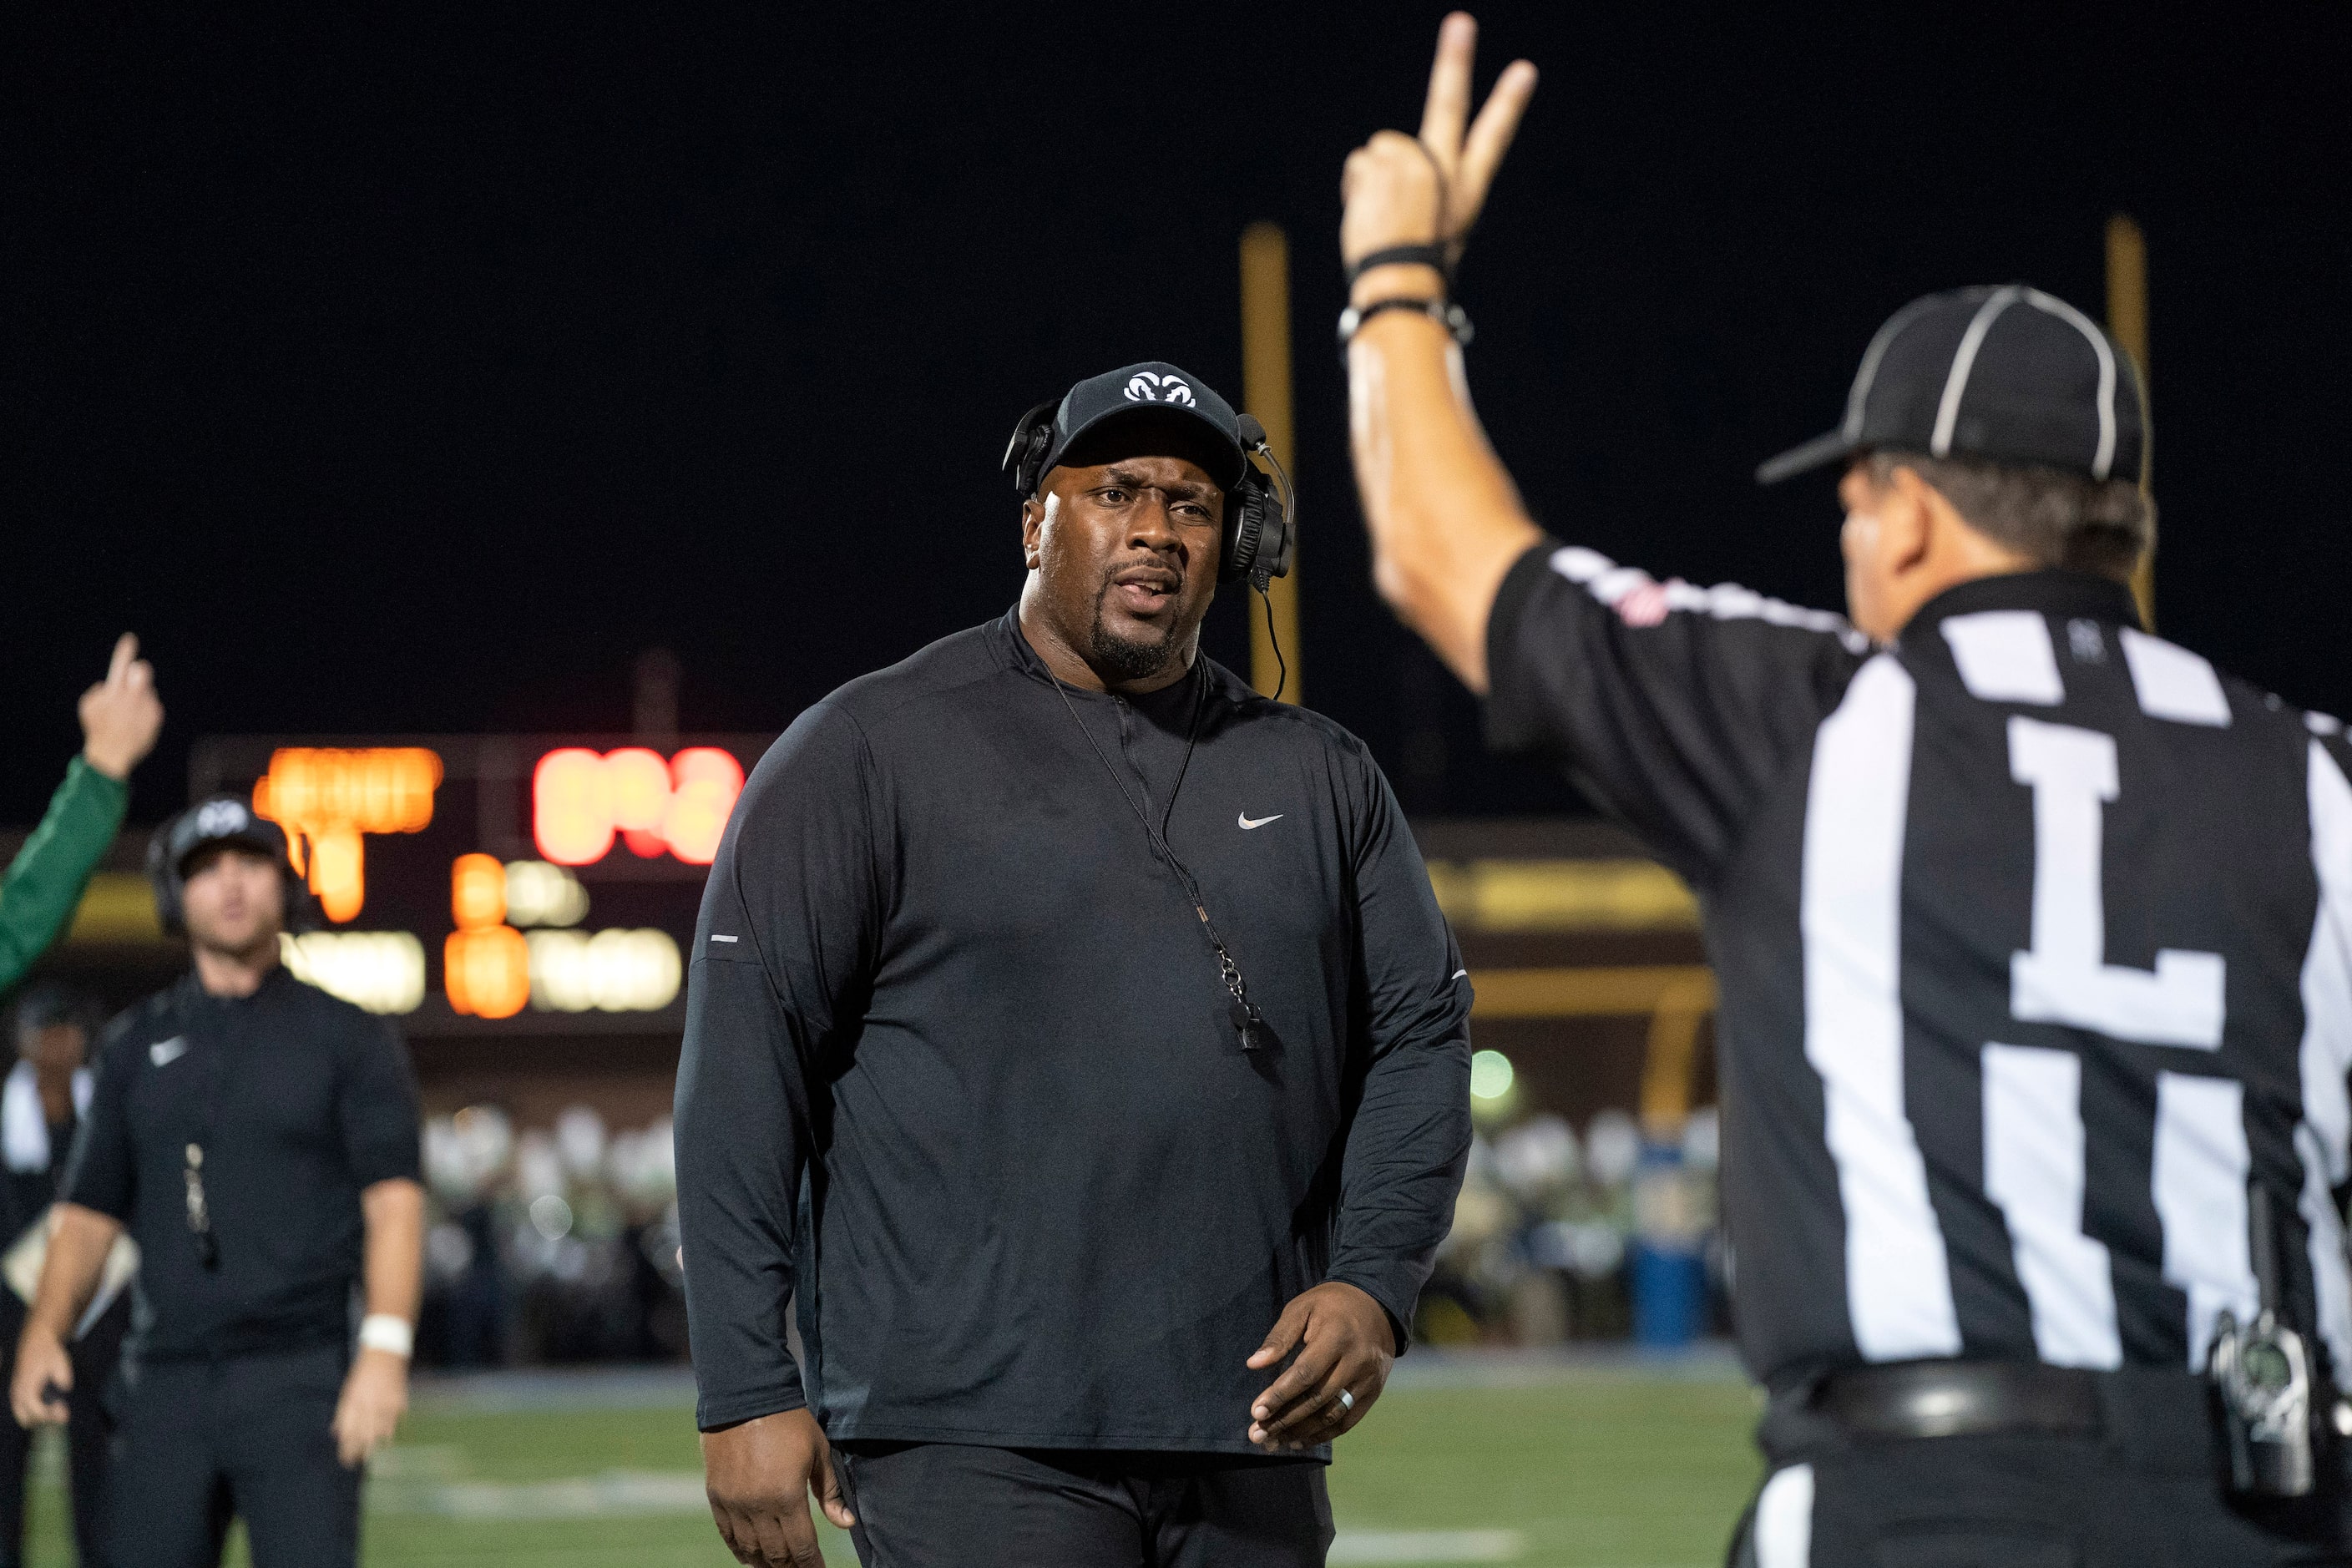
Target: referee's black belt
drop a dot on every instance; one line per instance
(1962, 1399)
(2158, 1417)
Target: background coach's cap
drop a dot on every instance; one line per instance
(223, 819)
(2006, 374)
(1103, 417)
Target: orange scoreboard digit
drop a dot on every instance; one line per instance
(491, 883)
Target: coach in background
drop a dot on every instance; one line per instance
(258, 1138)
(1074, 1034)
(120, 717)
(2034, 931)
(41, 1106)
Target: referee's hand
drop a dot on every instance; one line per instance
(1403, 190)
(758, 1474)
(1345, 1346)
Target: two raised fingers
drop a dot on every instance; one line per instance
(1468, 162)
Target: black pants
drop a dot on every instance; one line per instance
(946, 1505)
(201, 1442)
(88, 1433)
(2146, 1494)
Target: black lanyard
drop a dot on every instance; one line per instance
(214, 1083)
(1241, 1012)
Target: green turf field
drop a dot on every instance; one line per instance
(1543, 1464)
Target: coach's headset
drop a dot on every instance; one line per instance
(220, 819)
(1261, 509)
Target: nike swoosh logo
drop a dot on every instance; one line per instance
(1249, 822)
(164, 1053)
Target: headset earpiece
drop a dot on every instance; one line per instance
(1261, 537)
(301, 911)
(1026, 450)
(164, 881)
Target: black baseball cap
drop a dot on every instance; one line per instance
(223, 819)
(2006, 374)
(1154, 409)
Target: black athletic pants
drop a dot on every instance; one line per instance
(946, 1505)
(88, 1433)
(2144, 1494)
(250, 1437)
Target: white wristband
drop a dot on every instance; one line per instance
(382, 1332)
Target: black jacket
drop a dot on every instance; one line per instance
(301, 1102)
(958, 1067)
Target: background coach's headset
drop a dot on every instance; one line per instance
(1261, 509)
(220, 819)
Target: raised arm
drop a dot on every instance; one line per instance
(120, 718)
(1445, 519)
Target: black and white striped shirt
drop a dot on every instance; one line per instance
(2035, 939)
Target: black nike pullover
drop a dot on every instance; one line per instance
(959, 1072)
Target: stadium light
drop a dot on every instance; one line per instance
(1490, 1075)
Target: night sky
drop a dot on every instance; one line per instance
(414, 373)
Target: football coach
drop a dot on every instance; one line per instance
(2033, 930)
(1073, 1037)
(257, 1138)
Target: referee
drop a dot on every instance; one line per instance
(2033, 930)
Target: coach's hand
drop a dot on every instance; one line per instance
(1344, 1344)
(1404, 190)
(368, 1412)
(758, 1474)
(44, 1376)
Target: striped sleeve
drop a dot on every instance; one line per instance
(1674, 707)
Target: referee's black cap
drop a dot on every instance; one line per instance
(2006, 374)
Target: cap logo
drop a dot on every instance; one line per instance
(218, 816)
(1145, 387)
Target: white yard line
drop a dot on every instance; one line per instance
(1427, 1546)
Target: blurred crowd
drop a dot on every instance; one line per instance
(1547, 1226)
(560, 1244)
(549, 1245)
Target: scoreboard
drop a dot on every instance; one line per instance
(495, 885)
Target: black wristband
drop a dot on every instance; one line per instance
(1404, 255)
(1447, 314)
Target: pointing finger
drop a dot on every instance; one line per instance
(1448, 105)
(126, 649)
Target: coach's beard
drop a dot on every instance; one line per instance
(1126, 659)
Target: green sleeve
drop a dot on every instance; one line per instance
(45, 880)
